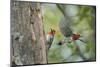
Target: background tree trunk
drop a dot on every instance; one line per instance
(27, 34)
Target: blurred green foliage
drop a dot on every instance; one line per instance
(83, 23)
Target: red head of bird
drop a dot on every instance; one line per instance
(52, 32)
(75, 37)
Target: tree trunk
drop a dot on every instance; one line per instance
(27, 34)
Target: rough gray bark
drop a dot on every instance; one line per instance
(27, 34)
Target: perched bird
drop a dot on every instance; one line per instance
(75, 37)
(50, 37)
(67, 31)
